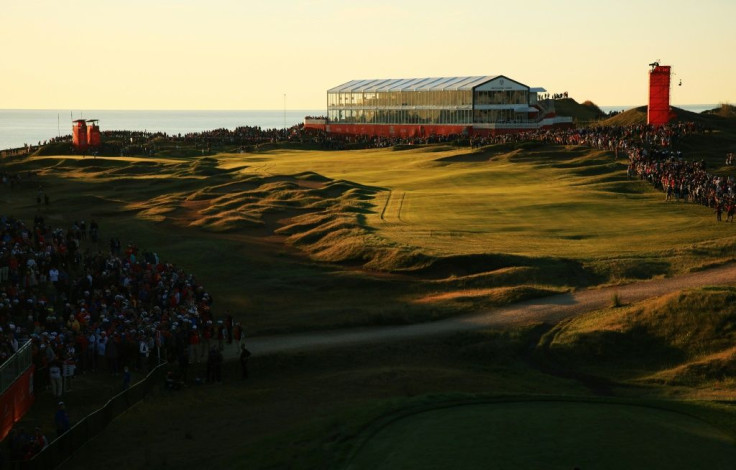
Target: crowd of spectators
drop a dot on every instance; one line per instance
(246, 138)
(652, 155)
(684, 180)
(104, 309)
(85, 309)
(553, 96)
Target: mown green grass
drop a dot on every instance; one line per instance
(515, 203)
(547, 434)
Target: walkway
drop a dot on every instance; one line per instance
(548, 309)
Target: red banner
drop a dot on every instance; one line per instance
(16, 401)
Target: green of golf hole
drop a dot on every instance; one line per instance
(547, 435)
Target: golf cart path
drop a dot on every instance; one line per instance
(550, 309)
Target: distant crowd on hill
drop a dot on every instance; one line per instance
(652, 157)
(684, 180)
(553, 96)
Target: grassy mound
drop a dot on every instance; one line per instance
(584, 112)
(684, 339)
(718, 118)
(724, 110)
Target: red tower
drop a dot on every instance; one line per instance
(79, 134)
(658, 112)
(93, 133)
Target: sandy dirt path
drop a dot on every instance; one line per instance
(548, 309)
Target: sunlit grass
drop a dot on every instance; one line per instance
(466, 224)
(530, 206)
(685, 338)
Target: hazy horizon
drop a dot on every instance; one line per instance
(291, 110)
(231, 55)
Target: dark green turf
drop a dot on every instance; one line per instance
(547, 435)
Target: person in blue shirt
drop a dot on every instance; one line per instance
(62, 420)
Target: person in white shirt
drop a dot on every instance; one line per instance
(143, 351)
(55, 378)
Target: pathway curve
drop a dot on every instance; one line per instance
(548, 309)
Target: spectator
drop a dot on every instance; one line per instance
(61, 418)
(55, 378)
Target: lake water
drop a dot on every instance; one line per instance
(31, 126)
(25, 126)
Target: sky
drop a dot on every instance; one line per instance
(254, 54)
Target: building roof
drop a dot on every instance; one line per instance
(412, 84)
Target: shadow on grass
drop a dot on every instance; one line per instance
(557, 270)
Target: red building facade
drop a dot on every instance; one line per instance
(658, 111)
(85, 136)
(79, 134)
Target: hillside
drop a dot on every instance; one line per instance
(684, 339)
(725, 111)
(719, 118)
(586, 111)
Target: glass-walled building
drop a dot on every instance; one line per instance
(423, 106)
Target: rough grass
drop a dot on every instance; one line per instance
(685, 338)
